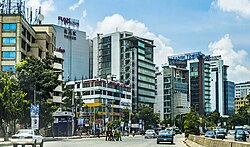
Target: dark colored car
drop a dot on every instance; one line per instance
(210, 134)
(221, 134)
(240, 135)
(165, 136)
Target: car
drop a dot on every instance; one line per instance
(220, 133)
(231, 132)
(165, 136)
(27, 137)
(210, 134)
(150, 134)
(247, 133)
(240, 135)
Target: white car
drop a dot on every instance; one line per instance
(150, 134)
(27, 137)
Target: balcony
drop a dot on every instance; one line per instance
(58, 66)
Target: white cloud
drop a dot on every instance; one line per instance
(46, 5)
(84, 13)
(235, 59)
(241, 7)
(110, 23)
(76, 5)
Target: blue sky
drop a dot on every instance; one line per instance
(177, 26)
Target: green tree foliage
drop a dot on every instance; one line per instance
(191, 123)
(166, 122)
(37, 75)
(11, 101)
(212, 119)
(147, 115)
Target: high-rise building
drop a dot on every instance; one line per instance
(199, 79)
(75, 48)
(242, 89)
(172, 96)
(218, 91)
(130, 59)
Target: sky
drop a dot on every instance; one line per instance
(214, 27)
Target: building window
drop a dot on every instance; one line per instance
(8, 54)
(9, 40)
(8, 68)
(9, 27)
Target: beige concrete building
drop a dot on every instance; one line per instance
(239, 102)
(20, 40)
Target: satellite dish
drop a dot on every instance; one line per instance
(40, 17)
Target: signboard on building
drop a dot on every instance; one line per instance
(212, 58)
(60, 50)
(68, 22)
(188, 56)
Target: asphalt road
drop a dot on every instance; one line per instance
(130, 141)
(231, 138)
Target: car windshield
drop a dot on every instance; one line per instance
(240, 132)
(30, 132)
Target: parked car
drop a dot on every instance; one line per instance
(220, 133)
(165, 136)
(247, 133)
(231, 132)
(240, 135)
(27, 137)
(150, 134)
(210, 134)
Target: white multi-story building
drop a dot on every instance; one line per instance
(130, 59)
(217, 82)
(242, 89)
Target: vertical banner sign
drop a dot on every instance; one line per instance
(34, 114)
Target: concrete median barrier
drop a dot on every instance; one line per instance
(209, 142)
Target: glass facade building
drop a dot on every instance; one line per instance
(229, 98)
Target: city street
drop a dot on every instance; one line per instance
(137, 141)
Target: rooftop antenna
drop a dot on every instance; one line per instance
(39, 17)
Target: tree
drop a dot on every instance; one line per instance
(147, 115)
(36, 77)
(191, 123)
(212, 119)
(11, 101)
(166, 122)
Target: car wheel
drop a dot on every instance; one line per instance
(23, 145)
(41, 145)
(146, 137)
(158, 142)
(14, 145)
(172, 142)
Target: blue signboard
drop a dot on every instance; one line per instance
(188, 56)
(34, 110)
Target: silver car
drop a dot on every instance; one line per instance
(150, 134)
(27, 137)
